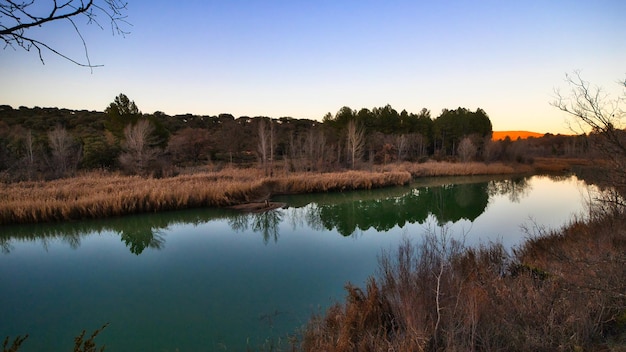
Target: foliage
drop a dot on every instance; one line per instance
(192, 141)
(452, 125)
(120, 113)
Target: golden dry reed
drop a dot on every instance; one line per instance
(435, 168)
(97, 195)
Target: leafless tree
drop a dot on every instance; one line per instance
(19, 18)
(492, 150)
(594, 109)
(139, 147)
(315, 144)
(466, 149)
(191, 146)
(355, 142)
(418, 144)
(401, 146)
(29, 143)
(65, 153)
(266, 140)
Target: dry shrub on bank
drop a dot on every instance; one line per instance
(561, 291)
(435, 168)
(98, 195)
(559, 164)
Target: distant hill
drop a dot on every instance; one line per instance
(497, 135)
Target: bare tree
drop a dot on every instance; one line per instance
(264, 133)
(466, 149)
(355, 142)
(19, 18)
(593, 109)
(401, 146)
(418, 144)
(139, 147)
(65, 154)
(191, 146)
(492, 150)
(320, 150)
(29, 143)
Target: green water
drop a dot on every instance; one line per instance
(213, 279)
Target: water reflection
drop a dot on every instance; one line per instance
(142, 238)
(516, 188)
(265, 223)
(446, 203)
(447, 200)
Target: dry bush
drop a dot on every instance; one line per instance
(560, 291)
(364, 323)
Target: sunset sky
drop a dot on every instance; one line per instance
(306, 58)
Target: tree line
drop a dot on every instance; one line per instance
(49, 143)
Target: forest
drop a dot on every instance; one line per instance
(48, 143)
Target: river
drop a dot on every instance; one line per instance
(216, 279)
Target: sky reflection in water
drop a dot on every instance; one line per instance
(207, 279)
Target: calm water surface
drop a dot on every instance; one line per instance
(213, 279)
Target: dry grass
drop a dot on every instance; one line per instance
(435, 168)
(558, 164)
(97, 195)
(561, 291)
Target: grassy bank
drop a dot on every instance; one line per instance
(97, 195)
(561, 291)
(434, 168)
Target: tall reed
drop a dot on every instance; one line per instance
(98, 195)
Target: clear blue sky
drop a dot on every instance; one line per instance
(306, 58)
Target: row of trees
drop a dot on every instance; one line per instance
(54, 142)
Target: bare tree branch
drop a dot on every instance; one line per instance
(17, 18)
(594, 109)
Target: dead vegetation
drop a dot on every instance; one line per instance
(97, 195)
(102, 194)
(437, 168)
(560, 291)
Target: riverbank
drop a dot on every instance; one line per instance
(560, 291)
(101, 194)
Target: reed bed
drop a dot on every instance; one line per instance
(98, 195)
(435, 168)
(559, 164)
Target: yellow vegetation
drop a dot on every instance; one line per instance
(434, 168)
(95, 195)
(98, 194)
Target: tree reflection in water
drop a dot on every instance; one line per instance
(447, 203)
(347, 212)
(515, 188)
(265, 223)
(141, 239)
